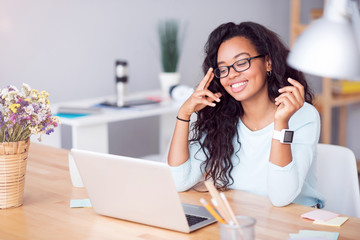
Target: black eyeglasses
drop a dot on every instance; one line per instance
(238, 66)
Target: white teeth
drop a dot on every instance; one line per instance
(236, 85)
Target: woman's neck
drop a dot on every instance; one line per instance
(258, 113)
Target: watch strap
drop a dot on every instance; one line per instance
(277, 135)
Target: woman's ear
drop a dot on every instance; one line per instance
(268, 63)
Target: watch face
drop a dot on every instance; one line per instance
(288, 136)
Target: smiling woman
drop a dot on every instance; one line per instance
(240, 49)
(247, 109)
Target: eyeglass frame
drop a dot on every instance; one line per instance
(228, 67)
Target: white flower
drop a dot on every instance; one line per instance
(29, 109)
(4, 93)
(13, 96)
(26, 89)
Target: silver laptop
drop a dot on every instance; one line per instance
(137, 190)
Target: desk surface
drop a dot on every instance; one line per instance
(46, 213)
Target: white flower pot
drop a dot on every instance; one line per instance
(74, 173)
(167, 80)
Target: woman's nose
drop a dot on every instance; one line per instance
(233, 73)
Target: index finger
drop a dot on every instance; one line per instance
(298, 85)
(206, 80)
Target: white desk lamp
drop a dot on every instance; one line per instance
(330, 46)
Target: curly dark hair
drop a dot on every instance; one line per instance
(216, 127)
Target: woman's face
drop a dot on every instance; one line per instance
(251, 83)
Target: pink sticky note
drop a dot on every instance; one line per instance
(320, 215)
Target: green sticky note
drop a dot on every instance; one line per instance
(80, 203)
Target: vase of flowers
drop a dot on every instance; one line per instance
(170, 53)
(22, 113)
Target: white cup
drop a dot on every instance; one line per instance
(243, 231)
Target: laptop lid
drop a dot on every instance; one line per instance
(135, 190)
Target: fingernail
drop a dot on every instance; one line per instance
(218, 99)
(213, 104)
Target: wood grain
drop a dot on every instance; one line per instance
(46, 213)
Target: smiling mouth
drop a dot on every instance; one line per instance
(237, 85)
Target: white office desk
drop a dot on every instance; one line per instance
(91, 132)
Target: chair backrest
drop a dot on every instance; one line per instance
(338, 179)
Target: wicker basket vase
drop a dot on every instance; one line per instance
(13, 159)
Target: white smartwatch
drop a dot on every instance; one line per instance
(284, 136)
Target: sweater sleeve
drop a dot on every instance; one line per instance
(286, 183)
(189, 173)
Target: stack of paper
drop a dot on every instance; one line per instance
(324, 217)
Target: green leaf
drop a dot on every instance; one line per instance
(169, 44)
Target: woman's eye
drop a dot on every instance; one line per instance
(223, 70)
(240, 63)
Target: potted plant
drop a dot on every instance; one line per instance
(170, 53)
(22, 113)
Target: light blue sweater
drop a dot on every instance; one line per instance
(254, 173)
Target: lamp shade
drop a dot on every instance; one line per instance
(327, 48)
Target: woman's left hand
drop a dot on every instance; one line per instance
(290, 100)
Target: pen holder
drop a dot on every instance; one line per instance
(243, 231)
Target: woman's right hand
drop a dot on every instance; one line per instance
(200, 98)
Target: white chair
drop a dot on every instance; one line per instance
(338, 179)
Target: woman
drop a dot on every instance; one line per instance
(256, 129)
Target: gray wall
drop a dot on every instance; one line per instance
(68, 47)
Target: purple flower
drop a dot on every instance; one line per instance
(23, 103)
(2, 122)
(10, 88)
(49, 131)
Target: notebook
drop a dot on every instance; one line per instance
(136, 190)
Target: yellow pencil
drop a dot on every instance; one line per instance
(220, 211)
(221, 205)
(212, 211)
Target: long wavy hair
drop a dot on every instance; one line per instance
(216, 127)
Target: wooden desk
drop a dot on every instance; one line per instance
(46, 213)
